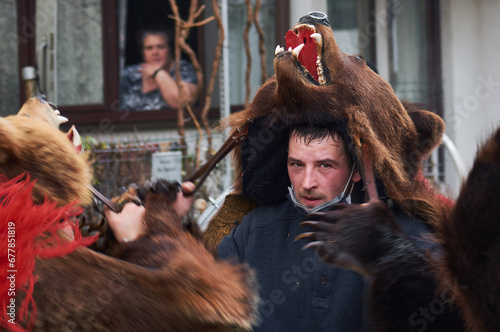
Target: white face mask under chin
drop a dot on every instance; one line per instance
(344, 194)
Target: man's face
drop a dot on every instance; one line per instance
(318, 171)
(155, 50)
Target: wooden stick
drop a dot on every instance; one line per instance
(371, 192)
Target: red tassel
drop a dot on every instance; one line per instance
(443, 199)
(29, 231)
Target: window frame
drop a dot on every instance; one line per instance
(109, 112)
(26, 40)
(94, 113)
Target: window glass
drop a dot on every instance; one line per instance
(350, 22)
(237, 17)
(409, 50)
(137, 19)
(79, 72)
(343, 14)
(69, 51)
(9, 78)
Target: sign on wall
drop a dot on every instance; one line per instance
(167, 165)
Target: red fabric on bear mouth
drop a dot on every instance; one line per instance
(308, 55)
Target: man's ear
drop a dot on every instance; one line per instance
(356, 176)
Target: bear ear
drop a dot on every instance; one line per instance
(430, 129)
(7, 141)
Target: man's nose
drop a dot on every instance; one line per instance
(309, 181)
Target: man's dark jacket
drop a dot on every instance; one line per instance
(299, 292)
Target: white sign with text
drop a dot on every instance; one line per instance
(167, 165)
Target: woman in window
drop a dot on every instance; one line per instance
(151, 85)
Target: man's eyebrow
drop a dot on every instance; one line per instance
(292, 159)
(328, 161)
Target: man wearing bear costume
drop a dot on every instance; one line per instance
(384, 286)
(385, 240)
(299, 291)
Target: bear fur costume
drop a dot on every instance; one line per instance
(37, 108)
(324, 86)
(470, 242)
(77, 289)
(451, 289)
(30, 143)
(465, 263)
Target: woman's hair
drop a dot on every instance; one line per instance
(153, 32)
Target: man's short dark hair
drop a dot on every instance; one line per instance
(308, 132)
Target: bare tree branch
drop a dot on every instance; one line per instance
(248, 4)
(182, 29)
(262, 46)
(193, 25)
(200, 136)
(213, 75)
(180, 109)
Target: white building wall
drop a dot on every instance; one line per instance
(299, 8)
(382, 39)
(470, 33)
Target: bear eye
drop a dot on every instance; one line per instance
(360, 57)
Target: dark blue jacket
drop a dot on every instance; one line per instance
(299, 292)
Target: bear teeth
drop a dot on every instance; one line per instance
(319, 70)
(296, 50)
(317, 38)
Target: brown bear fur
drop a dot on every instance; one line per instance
(88, 291)
(163, 227)
(29, 145)
(470, 239)
(370, 239)
(464, 264)
(188, 290)
(164, 281)
(39, 109)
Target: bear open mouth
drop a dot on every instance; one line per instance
(306, 44)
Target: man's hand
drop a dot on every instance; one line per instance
(127, 225)
(183, 203)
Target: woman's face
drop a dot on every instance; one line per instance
(155, 50)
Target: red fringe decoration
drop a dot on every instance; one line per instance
(28, 231)
(442, 198)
